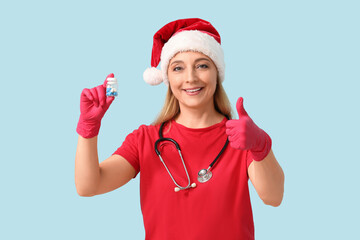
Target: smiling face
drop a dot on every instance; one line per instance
(193, 79)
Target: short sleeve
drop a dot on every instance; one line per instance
(249, 159)
(130, 151)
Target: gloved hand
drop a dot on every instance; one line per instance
(245, 135)
(93, 105)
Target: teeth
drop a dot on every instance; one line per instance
(193, 90)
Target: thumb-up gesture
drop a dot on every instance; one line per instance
(244, 134)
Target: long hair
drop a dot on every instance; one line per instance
(171, 106)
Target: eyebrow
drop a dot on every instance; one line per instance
(197, 60)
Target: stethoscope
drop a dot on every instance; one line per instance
(204, 175)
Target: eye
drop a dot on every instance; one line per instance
(202, 66)
(177, 69)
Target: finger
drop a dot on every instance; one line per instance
(235, 137)
(230, 123)
(239, 136)
(233, 142)
(101, 94)
(236, 145)
(86, 92)
(111, 75)
(237, 142)
(109, 100)
(95, 96)
(230, 131)
(240, 107)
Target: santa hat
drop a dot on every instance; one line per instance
(192, 34)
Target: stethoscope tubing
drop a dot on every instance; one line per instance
(221, 152)
(187, 174)
(162, 139)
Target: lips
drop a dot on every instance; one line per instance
(193, 90)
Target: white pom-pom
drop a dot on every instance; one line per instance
(152, 76)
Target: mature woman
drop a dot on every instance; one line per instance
(193, 184)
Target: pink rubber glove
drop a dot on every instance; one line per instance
(93, 105)
(245, 135)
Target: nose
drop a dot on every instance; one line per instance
(191, 75)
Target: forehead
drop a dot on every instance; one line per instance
(189, 55)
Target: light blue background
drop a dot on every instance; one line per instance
(296, 63)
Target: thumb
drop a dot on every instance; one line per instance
(240, 107)
(111, 75)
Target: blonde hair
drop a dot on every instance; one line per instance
(171, 106)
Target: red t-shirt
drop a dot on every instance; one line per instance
(217, 209)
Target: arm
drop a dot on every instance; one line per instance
(264, 172)
(92, 178)
(267, 178)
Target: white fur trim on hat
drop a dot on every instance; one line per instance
(152, 76)
(192, 40)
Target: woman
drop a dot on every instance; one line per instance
(195, 116)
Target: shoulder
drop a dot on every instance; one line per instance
(142, 137)
(145, 131)
(147, 128)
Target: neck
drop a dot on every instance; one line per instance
(195, 118)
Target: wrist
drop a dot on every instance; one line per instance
(88, 128)
(262, 148)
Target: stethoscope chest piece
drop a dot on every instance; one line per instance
(204, 175)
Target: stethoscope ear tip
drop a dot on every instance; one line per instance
(177, 189)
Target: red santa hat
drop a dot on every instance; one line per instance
(192, 34)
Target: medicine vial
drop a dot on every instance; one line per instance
(111, 87)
